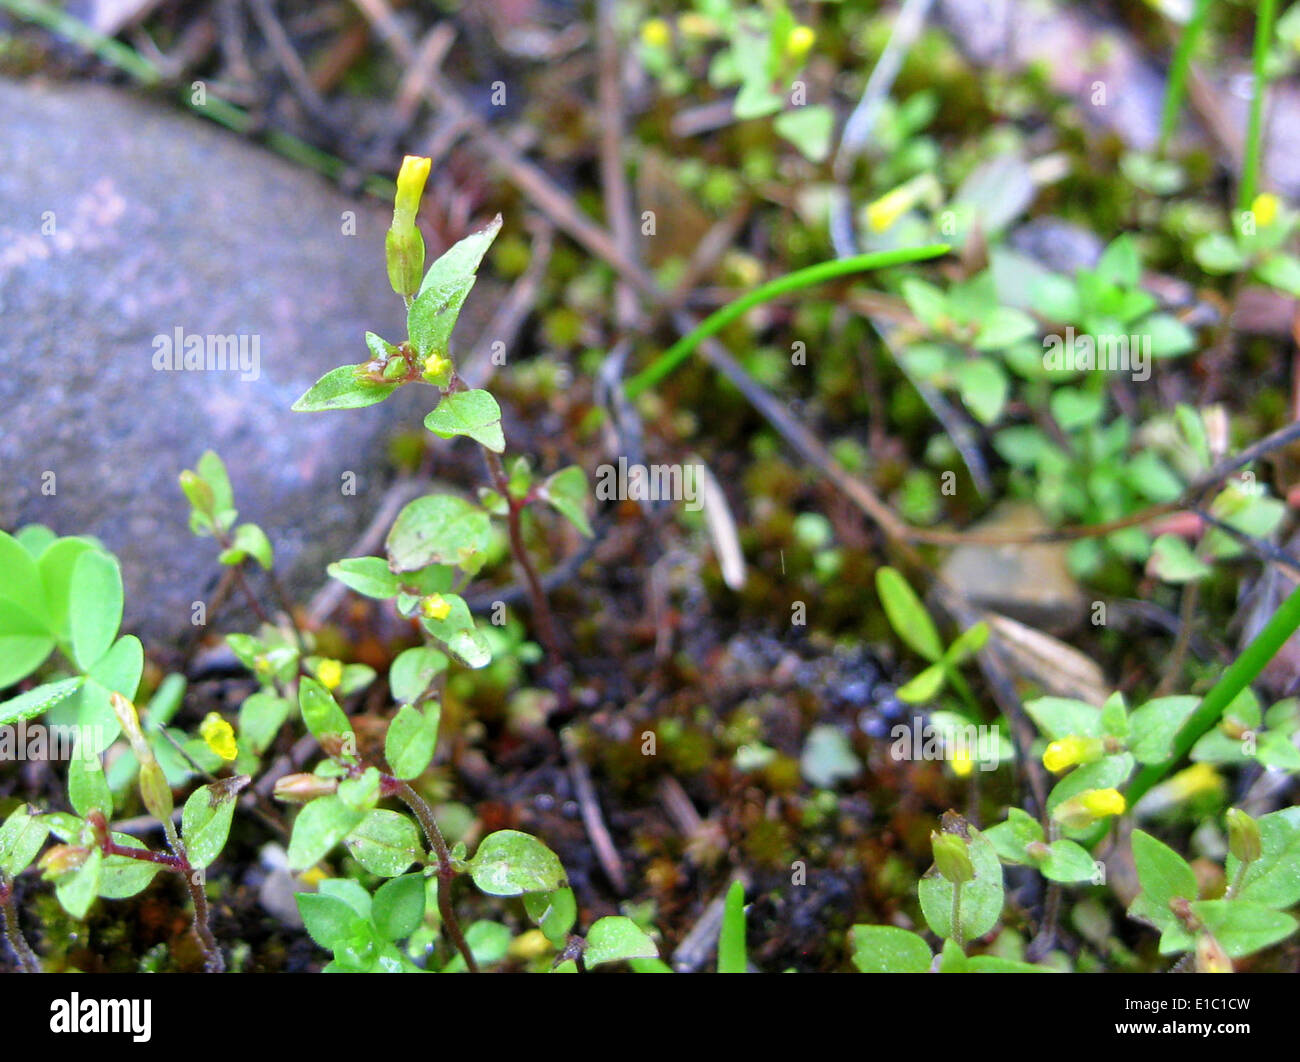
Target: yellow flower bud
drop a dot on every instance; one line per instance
(1265, 208)
(130, 723)
(219, 736)
(530, 945)
(962, 764)
(1081, 811)
(330, 674)
(800, 42)
(656, 33)
(435, 607)
(1071, 751)
(403, 245)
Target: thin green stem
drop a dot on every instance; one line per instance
(1255, 130)
(1178, 71)
(799, 279)
(1240, 674)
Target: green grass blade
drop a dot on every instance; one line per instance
(1240, 674)
(796, 281)
(731, 941)
(1178, 71)
(1255, 131)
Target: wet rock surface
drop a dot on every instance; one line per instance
(122, 222)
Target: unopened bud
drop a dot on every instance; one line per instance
(219, 736)
(1243, 836)
(155, 792)
(952, 857)
(330, 674)
(1072, 751)
(1081, 811)
(800, 41)
(1038, 851)
(438, 370)
(198, 491)
(62, 859)
(304, 788)
(403, 245)
(130, 723)
(435, 607)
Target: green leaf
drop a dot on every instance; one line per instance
(260, 718)
(809, 128)
(343, 388)
(87, 788)
(510, 863)
(827, 757)
(124, 877)
(1169, 336)
(731, 939)
(1154, 725)
(981, 897)
(318, 828)
(1002, 327)
(438, 529)
(1217, 253)
(95, 605)
(24, 643)
(923, 687)
(906, 614)
(320, 711)
(398, 908)
(1243, 928)
(1164, 875)
(997, 964)
(888, 949)
(22, 584)
(250, 541)
(1059, 717)
(385, 843)
(1282, 271)
(444, 288)
(568, 492)
(1073, 408)
(1273, 879)
(32, 703)
(411, 739)
(205, 822)
(616, 939)
(472, 413)
(983, 386)
(1068, 862)
(1119, 263)
(489, 943)
(1173, 561)
(77, 891)
(554, 912)
(412, 672)
(459, 634)
(1010, 838)
(56, 565)
(369, 576)
(328, 919)
(21, 838)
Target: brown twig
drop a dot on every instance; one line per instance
(23, 954)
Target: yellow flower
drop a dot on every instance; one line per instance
(435, 607)
(655, 33)
(330, 673)
(1103, 802)
(1196, 780)
(1081, 811)
(962, 764)
(1265, 208)
(1071, 751)
(410, 187)
(800, 42)
(437, 369)
(219, 736)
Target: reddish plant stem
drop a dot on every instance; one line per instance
(27, 961)
(446, 871)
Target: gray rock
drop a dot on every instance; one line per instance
(122, 221)
(1031, 584)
